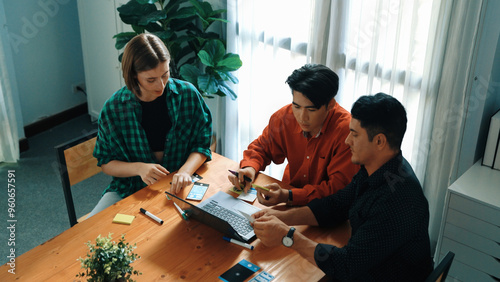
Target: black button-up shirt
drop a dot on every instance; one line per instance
(389, 217)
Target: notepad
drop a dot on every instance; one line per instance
(123, 218)
(249, 197)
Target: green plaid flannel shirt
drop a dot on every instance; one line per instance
(121, 137)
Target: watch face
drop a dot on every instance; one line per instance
(287, 241)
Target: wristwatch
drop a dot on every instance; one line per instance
(288, 239)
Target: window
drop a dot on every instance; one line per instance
(374, 46)
(272, 42)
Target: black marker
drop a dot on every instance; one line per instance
(152, 216)
(237, 174)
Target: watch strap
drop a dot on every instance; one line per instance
(290, 198)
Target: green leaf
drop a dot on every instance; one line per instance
(173, 5)
(205, 13)
(207, 84)
(154, 27)
(165, 35)
(138, 29)
(230, 62)
(206, 58)
(152, 17)
(215, 50)
(190, 73)
(218, 12)
(218, 20)
(132, 12)
(226, 89)
(183, 13)
(227, 76)
(200, 8)
(123, 38)
(147, 1)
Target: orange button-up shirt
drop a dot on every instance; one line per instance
(317, 166)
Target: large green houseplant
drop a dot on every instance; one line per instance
(198, 55)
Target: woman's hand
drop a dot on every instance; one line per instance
(179, 181)
(151, 173)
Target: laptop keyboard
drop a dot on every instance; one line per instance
(239, 223)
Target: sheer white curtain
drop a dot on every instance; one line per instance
(9, 140)
(451, 101)
(271, 39)
(382, 46)
(374, 46)
(418, 51)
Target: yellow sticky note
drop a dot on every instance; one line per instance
(236, 190)
(123, 218)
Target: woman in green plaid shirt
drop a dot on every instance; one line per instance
(152, 127)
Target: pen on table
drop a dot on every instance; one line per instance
(237, 174)
(248, 246)
(152, 216)
(181, 211)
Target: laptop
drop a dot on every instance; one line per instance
(222, 212)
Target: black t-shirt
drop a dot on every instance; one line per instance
(156, 122)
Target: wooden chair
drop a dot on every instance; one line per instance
(441, 271)
(76, 163)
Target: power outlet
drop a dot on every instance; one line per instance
(76, 88)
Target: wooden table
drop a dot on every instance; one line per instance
(176, 250)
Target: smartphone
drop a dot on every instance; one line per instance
(197, 191)
(239, 272)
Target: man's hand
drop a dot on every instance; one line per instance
(274, 196)
(269, 229)
(268, 212)
(179, 181)
(240, 179)
(151, 173)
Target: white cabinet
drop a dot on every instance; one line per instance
(471, 225)
(99, 22)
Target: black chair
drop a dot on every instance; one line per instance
(76, 163)
(441, 271)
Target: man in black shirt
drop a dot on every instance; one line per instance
(384, 204)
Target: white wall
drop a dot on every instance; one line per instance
(47, 56)
(4, 35)
(484, 91)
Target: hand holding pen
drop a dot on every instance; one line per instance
(243, 177)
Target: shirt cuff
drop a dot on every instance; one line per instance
(323, 256)
(255, 165)
(300, 197)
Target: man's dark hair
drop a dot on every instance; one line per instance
(381, 113)
(317, 82)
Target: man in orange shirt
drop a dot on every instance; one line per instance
(310, 134)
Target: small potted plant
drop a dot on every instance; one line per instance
(108, 260)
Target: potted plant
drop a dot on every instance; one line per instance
(198, 55)
(108, 260)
